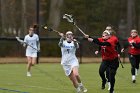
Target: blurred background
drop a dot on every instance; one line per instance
(92, 16)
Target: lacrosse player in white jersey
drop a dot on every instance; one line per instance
(31, 39)
(69, 60)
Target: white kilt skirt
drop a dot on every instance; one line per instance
(31, 53)
(68, 66)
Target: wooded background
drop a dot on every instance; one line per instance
(92, 16)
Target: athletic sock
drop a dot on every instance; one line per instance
(81, 84)
(133, 77)
(136, 71)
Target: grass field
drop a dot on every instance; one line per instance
(50, 78)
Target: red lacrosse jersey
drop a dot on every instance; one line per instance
(131, 49)
(108, 52)
(114, 38)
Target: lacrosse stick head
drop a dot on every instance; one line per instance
(69, 18)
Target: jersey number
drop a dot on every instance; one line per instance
(68, 50)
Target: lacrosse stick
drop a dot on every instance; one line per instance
(22, 42)
(120, 62)
(70, 19)
(51, 30)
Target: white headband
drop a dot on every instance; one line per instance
(106, 31)
(69, 32)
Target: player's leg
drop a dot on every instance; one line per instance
(112, 79)
(102, 70)
(76, 74)
(34, 59)
(29, 64)
(113, 69)
(137, 64)
(133, 64)
(69, 72)
(108, 79)
(75, 82)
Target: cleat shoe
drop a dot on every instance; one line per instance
(109, 86)
(78, 90)
(83, 89)
(111, 91)
(103, 85)
(28, 74)
(136, 72)
(134, 81)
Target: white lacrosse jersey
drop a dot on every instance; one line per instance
(68, 53)
(32, 41)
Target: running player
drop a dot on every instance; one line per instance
(31, 39)
(118, 49)
(114, 38)
(69, 60)
(133, 45)
(109, 57)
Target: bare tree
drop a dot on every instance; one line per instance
(130, 15)
(24, 19)
(3, 14)
(55, 9)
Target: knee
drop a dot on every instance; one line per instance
(29, 61)
(33, 63)
(76, 74)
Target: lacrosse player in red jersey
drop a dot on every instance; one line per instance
(133, 45)
(31, 39)
(69, 60)
(109, 58)
(117, 46)
(118, 49)
(113, 37)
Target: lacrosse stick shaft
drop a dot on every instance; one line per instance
(31, 46)
(56, 31)
(45, 27)
(80, 29)
(121, 62)
(21, 41)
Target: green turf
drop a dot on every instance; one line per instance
(50, 78)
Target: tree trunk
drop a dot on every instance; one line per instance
(130, 15)
(24, 18)
(55, 9)
(3, 16)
